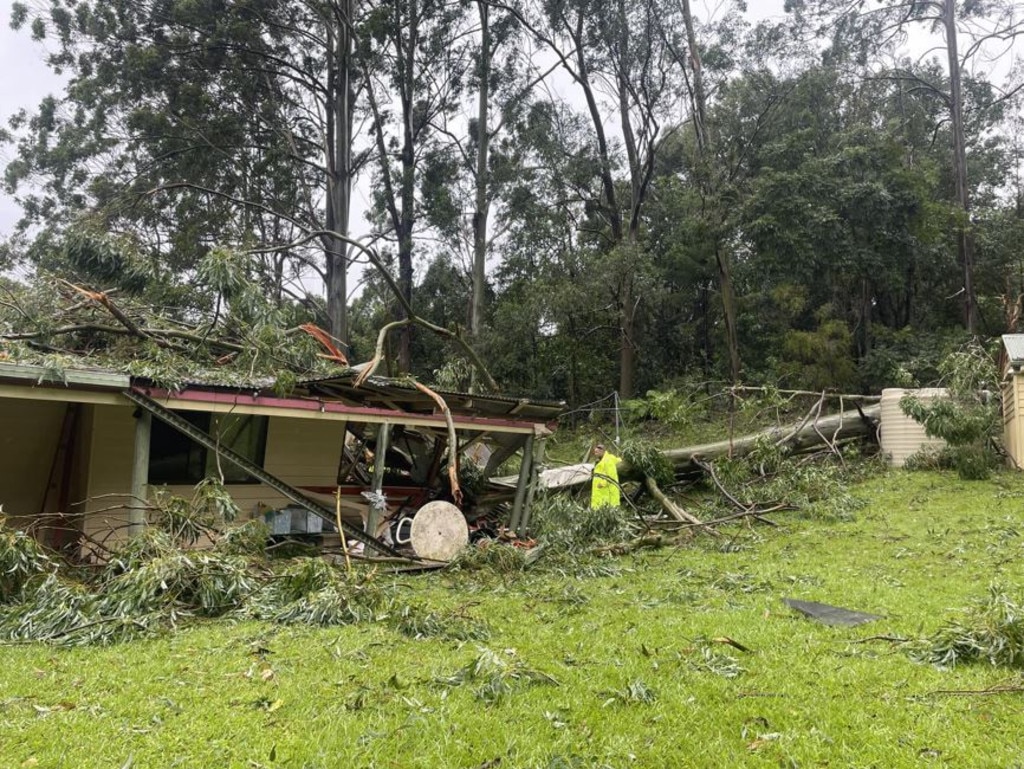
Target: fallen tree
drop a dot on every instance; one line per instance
(813, 433)
(662, 474)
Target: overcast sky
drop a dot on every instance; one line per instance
(23, 82)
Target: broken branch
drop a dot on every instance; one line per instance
(453, 441)
(673, 509)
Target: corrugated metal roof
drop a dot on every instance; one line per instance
(83, 377)
(377, 391)
(402, 395)
(1014, 346)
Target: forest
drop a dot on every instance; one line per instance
(560, 199)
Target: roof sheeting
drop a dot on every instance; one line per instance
(393, 395)
(402, 395)
(1014, 346)
(80, 377)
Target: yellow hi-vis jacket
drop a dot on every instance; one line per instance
(605, 487)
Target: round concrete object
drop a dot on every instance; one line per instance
(439, 531)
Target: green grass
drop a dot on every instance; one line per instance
(612, 666)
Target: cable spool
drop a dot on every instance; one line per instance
(438, 531)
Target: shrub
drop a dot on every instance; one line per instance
(968, 419)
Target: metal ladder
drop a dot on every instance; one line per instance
(257, 472)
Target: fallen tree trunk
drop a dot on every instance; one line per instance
(813, 433)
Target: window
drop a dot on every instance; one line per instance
(175, 459)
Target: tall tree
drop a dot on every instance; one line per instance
(620, 44)
(709, 178)
(189, 124)
(552, 332)
(983, 25)
(415, 55)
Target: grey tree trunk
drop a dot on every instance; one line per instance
(965, 246)
(810, 435)
(723, 261)
(480, 215)
(340, 117)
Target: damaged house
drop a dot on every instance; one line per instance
(83, 449)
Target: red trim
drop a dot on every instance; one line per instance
(322, 406)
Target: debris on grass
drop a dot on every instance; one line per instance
(707, 659)
(634, 693)
(990, 630)
(571, 529)
(572, 596)
(206, 583)
(249, 539)
(830, 615)
(21, 559)
(494, 557)
(417, 624)
(311, 591)
(495, 676)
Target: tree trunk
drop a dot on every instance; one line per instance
(407, 192)
(965, 246)
(699, 125)
(729, 310)
(340, 112)
(476, 319)
(798, 438)
(723, 262)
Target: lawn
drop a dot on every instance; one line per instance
(616, 662)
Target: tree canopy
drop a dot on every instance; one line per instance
(582, 196)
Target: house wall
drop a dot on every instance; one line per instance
(29, 434)
(1012, 391)
(300, 452)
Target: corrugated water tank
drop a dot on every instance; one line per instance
(899, 436)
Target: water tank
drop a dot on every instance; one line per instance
(899, 435)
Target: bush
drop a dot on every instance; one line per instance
(968, 420)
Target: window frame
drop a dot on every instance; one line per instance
(177, 460)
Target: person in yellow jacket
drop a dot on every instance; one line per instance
(604, 489)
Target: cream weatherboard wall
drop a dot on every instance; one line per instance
(29, 434)
(1012, 393)
(300, 452)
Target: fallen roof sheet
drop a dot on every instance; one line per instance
(554, 477)
(830, 615)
